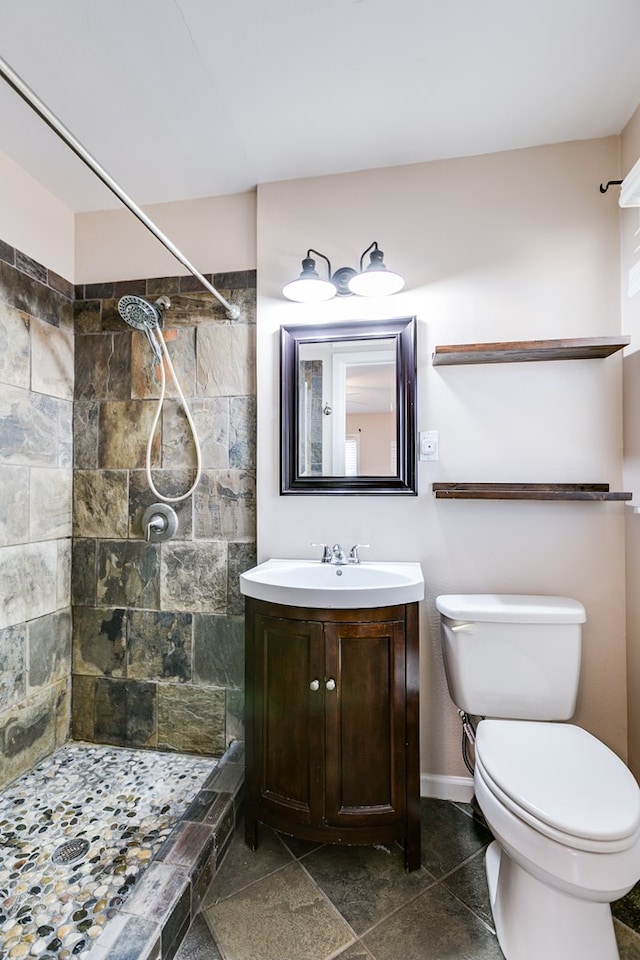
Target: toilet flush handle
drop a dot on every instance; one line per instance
(466, 627)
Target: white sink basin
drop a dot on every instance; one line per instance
(310, 583)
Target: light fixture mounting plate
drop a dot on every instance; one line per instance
(340, 280)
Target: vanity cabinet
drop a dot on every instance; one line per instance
(332, 724)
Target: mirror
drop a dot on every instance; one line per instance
(347, 407)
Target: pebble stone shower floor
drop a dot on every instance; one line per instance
(76, 832)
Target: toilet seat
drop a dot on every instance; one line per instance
(562, 781)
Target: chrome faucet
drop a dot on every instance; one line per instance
(337, 555)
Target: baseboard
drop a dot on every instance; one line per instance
(446, 788)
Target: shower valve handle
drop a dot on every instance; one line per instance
(159, 522)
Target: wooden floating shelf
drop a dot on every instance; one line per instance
(583, 348)
(527, 491)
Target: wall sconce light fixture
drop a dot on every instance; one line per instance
(373, 281)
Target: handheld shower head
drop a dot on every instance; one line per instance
(139, 313)
(145, 316)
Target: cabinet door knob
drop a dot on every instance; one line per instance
(330, 684)
(314, 685)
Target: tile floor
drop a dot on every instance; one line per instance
(76, 834)
(292, 900)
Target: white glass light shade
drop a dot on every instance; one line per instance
(309, 287)
(376, 282)
(309, 290)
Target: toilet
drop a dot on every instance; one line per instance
(563, 808)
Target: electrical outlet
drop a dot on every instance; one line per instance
(429, 445)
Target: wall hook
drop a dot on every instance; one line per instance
(610, 183)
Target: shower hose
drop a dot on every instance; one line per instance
(162, 352)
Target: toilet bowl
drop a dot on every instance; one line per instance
(563, 808)
(565, 812)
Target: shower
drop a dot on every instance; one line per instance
(147, 318)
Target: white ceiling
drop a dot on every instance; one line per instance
(179, 99)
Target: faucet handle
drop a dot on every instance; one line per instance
(353, 553)
(326, 551)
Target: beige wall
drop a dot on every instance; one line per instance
(34, 221)
(376, 433)
(113, 244)
(212, 233)
(630, 222)
(508, 246)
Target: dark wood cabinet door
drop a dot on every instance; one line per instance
(365, 723)
(288, 717)
(332, 724)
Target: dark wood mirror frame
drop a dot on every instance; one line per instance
(403, 332)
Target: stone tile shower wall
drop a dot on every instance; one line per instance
(158, 628)
(36, 403)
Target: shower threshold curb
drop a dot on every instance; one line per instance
(154, 920)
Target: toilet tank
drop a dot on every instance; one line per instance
(512, 656)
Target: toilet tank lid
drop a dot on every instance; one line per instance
(510, 608)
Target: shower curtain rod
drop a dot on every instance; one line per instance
(36, 104)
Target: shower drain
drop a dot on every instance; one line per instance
(70, 851)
